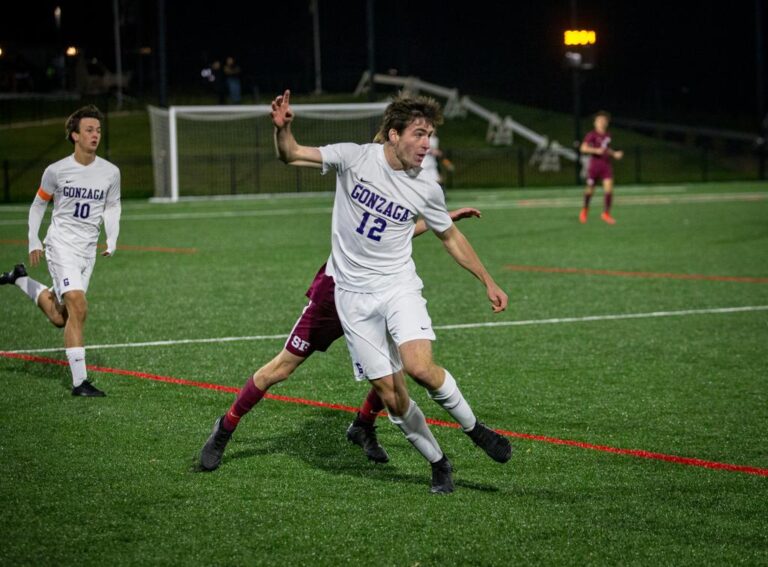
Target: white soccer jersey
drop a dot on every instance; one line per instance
(429, 164)
(80, 195)
(374, 213)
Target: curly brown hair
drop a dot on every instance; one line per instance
(403, 110)
(73, 122)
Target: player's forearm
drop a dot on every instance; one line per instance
(456, 215)
(112, 226)
(36, 214)
(286, 145)
(462, 252)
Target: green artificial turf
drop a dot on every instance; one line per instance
(111, 481)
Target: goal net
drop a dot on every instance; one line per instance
(209, 151)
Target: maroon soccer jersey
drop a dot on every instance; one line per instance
(599, 165)
(595, 139)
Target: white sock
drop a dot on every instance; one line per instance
(416, 430)
(32, 288)
(76, 357)
(450, 398)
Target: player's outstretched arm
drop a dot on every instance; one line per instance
(295, 163)
(36, 214)
(459, 247)
(288, 150)
(456, 215)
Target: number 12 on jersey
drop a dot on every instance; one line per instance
(374, 232)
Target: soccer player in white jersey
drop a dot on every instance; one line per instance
(85, 190)
(429, 168)
(379, 197)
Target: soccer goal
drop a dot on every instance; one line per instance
(217, 151)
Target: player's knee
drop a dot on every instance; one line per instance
(423, 372)
(77, 307)
(273, 372)
(282, 371)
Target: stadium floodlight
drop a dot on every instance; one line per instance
(579, 37)
(580, 46)
(71, 51)
(215, 151)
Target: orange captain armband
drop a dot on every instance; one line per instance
(43, 195)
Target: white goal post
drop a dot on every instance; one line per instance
(206, 151)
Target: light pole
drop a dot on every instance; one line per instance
(316, 43)
(118, 53)
(162, 74)
(579, 55)
(371, 50)
(762, 117)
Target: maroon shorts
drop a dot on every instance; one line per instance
(319, 323)
(316, 329)
(599, 171)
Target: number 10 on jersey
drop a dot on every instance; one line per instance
(82, 210)
(377, 227)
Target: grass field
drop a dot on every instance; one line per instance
(632, 355)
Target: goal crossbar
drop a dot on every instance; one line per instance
(345, 110)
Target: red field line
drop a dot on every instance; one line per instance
(638, 453)
(122, 247)
(626, 274)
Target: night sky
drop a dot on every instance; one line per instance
(692, 62)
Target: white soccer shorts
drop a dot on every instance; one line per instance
(70, 272)
(375, 324)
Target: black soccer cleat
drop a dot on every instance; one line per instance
(213, 450)
(364, 435)
(18, 271)
(496, 446)
(442, 479)
(87, 390)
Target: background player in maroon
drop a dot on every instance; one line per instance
(316, 329)
(597, 144)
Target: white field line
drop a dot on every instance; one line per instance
(553, 321)
(538, 203)
(460, 194)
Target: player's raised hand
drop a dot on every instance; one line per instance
(464, 213)
(34, 257)
(499, 299)
(282, 115)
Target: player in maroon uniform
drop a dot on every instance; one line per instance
(597, 144)
(316, 329)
